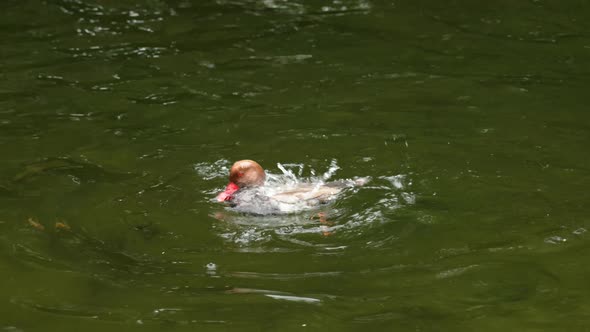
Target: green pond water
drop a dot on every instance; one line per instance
(119, 120)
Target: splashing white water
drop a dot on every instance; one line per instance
(331, 171)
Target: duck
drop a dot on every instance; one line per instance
(246, 191)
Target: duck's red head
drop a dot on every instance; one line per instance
(243, 173)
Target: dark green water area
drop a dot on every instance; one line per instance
(119, 120)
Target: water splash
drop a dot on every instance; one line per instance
(331, 171)
(362, 202)
(288, 173)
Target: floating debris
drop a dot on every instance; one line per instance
(61, 225)
(35, 223)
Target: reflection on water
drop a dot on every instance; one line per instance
(119, 121)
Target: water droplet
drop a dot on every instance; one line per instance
(555, 240)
